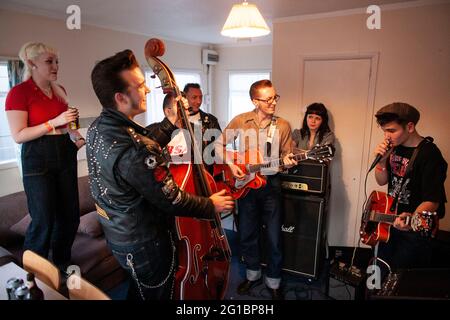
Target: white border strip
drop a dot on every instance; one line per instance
(340, 13)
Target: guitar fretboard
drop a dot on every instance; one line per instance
(382, 217)
(252, 168)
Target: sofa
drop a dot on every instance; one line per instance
(89, 251)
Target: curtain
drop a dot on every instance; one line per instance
(15, 71)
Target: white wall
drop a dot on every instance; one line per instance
(248, 58)
(414, 66)
(78, 52)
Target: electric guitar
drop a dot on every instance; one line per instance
(251, 163)
(377, 220)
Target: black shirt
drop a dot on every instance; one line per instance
(424, 183)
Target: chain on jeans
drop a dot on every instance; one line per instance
(163, 282)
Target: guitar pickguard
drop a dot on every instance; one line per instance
(239, 184)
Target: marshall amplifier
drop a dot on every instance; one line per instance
(306, 177)
(303, 236)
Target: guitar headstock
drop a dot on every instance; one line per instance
(423, 222)
(321, 153)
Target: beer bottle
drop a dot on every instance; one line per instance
(34, 292)
(11, 286)
(74, 125)
(22, 293)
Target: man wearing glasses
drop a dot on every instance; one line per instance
(260, 130)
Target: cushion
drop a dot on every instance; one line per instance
(88, 252)
(21, 226)
(85, 199)
(9, 238)
(89, 225)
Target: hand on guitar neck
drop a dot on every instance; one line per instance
(289, 161)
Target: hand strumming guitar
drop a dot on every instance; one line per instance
(236, 171)
(400, 224)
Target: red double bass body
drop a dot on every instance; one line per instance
(204, 254)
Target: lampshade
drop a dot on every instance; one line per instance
(245, 21)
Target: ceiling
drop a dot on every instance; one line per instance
(191, 21)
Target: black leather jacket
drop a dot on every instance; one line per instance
(134, 192)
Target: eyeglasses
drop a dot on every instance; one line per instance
(271, 100)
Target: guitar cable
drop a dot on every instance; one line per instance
(363, 208)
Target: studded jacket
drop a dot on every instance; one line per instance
(135, 194)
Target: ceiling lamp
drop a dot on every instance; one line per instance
(245, 21)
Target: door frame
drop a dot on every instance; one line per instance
(369, 122)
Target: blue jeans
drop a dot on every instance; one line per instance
(150, 265)
(49, 166)
(258, 207)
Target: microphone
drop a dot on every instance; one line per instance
(378, 157)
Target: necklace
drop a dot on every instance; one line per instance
(48, 91)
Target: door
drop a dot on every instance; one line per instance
(342, 84)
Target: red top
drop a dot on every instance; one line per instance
(27, 96)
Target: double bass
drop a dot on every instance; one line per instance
(204, 254)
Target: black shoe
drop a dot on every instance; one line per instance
(276, 294)
(246, 285)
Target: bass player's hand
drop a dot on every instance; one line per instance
(173, 114)
(222, 202)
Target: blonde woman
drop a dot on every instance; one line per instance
(38, 117)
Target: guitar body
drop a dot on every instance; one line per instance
(239, 188)
(371, 232)
(251, 162)
(377, 220)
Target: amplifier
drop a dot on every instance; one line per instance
(345, 283)
(306, 177)
(423, 284)
(302, 235)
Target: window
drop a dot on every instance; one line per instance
(156, 96)
(239, 83)
(7, 144)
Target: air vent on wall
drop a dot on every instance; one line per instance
(209, 57)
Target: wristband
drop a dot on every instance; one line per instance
(49, 126)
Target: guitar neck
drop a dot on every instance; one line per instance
(384, 217)
(252, 168)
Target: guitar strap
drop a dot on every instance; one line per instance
(409, 170)
(270, 135)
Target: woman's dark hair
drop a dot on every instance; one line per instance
(320, 110)
(106, 78)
